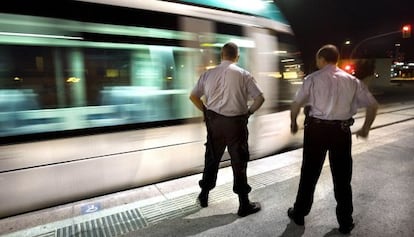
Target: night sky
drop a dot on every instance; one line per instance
(318, 22)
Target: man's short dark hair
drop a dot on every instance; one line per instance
(329, 52)
(230, 50)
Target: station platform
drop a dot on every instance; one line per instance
(383, 190)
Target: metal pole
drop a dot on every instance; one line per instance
(370, 38)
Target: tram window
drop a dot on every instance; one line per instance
(228, 29)
(130, 39)
(104, 68)
(129, 16)
(81, 11)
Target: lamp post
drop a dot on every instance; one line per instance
(371, 38)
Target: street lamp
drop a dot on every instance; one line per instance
(345, 48)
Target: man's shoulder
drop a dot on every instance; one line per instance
(347, 76)
(210, 70)
(240, 70)
(312, 75)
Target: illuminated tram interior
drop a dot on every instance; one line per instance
(59, 75)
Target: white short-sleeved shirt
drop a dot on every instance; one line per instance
(333, 94)
(227, 89)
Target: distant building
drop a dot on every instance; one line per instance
(402, 71)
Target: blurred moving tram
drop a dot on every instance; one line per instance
(94, 94)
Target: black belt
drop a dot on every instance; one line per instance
(344, 123)
(211, 112)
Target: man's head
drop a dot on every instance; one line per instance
(230, 52)
(328, 54)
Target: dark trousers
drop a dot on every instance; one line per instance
(320, 138)
(222, 132)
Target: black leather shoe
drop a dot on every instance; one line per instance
(203, 199)
(245, 210)
(346, 229)
(299, 220)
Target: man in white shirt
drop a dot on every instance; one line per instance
(226, 90)
(332, 97)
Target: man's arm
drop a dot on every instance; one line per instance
(197, 102)
(257, 103)
(294, 112)
(370, 114)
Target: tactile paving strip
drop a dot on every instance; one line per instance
(130, 220)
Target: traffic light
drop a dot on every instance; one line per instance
(349, 68)
(406, 31)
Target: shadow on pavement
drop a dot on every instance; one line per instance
(293, 230)
(185, 226)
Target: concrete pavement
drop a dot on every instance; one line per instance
(382, 182)
(383, 193)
